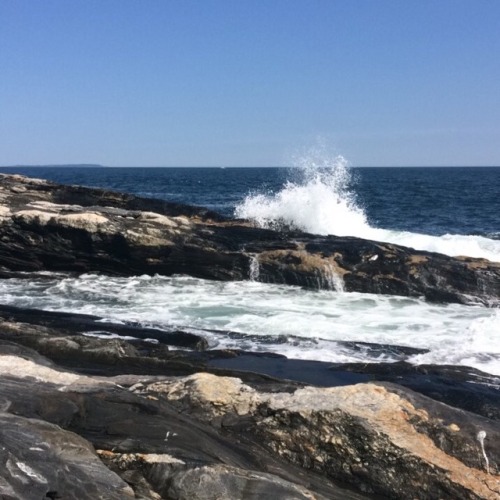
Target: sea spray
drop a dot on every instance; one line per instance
(319, 198)
(318, 201)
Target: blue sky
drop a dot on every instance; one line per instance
(249, 82)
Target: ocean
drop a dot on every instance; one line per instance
(453, 210)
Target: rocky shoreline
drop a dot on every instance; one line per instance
(50, 227)
(126, 417)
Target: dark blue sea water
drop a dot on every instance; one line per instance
(433, 201)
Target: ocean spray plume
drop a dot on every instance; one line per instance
(319, 201)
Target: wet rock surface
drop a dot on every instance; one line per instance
(163, 426)
(45, 226)
(41, 460)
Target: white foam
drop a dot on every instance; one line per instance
(320, 202)
(448, 244)
(288, 320)
(477, 346)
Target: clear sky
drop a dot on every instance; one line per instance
(249, 82)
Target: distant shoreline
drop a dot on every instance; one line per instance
(70, 165)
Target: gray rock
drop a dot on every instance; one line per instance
(142, 438)
(382, 439)
(221, 482)
(40, 460)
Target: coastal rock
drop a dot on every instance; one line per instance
(181, 438)
(46, 226)
(234, 436)
(39, 460)
(223, 482)
(172, 478)
(371, 436)
(458, 386)
(63, 338)
(154, 449)
(75, 324)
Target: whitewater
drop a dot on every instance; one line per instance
(298, 323)
(320, 200)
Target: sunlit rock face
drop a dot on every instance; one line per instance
(379, 438)
(179, 437)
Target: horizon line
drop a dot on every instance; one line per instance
(98, 165)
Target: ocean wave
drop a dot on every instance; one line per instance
(321, 200)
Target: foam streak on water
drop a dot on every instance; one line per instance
(320, 200)
(298, 323)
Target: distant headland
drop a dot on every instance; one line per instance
(69, 165)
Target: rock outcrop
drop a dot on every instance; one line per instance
(159, 425)
(41, 460)
(381, 440)
(45, 226)
(151, 451)
(206, 437)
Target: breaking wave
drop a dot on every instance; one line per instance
(320, 199)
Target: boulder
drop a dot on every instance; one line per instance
(39, 460)
(384, 441)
